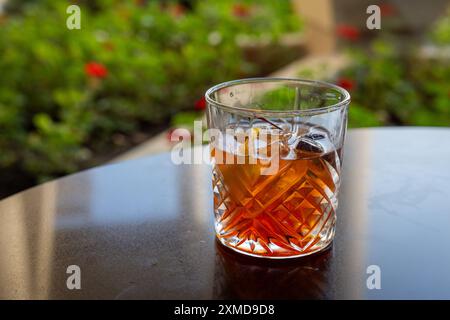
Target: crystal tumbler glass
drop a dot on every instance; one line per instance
(276, 148)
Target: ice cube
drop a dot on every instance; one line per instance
(306, 144)
(315, 136)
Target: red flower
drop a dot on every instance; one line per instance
(200, 104)
(177, 10)
(348, 32)
(386, 10)
(240, 10)
(177, 134)
(95, 70)
(346, 83)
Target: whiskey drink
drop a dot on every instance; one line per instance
(290, 212)
(276, 148)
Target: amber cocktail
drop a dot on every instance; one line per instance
(296, 128)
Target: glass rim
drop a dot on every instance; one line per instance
(332, 107)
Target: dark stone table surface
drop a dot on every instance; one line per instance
(144, 229)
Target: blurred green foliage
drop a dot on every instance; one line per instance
(159, 58)
(394, 86)
(440, 33)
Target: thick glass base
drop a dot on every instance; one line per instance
(273, 251)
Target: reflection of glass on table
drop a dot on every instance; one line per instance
(241, 277)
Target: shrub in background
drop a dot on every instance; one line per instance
(392, 87)
(132, 66)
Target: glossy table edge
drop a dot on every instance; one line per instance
(379, 224)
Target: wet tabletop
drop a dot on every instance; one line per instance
(144, 229)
